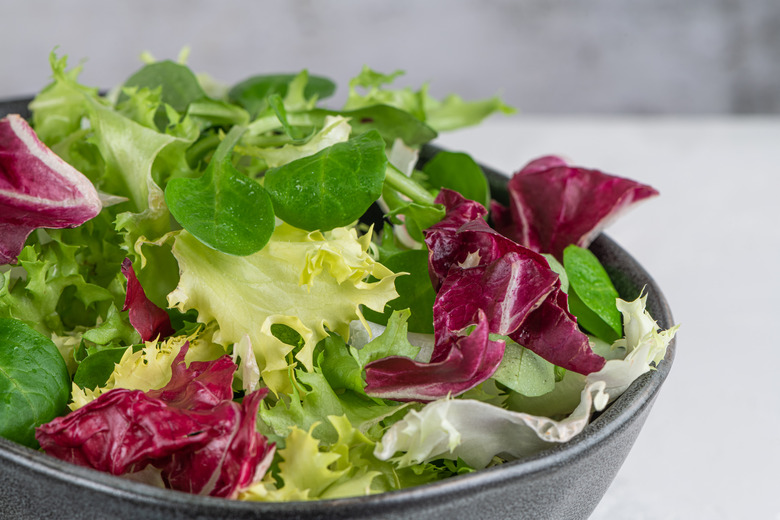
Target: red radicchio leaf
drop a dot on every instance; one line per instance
(147, 318)
(544, 325)
(469, 360)
(553, 204)
(37, 188)
(551, 332)
(507, 290)
(190, 430)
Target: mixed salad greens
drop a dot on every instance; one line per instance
(239, 292)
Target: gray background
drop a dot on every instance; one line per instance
(543, 56)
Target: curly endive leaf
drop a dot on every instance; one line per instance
(310, 281)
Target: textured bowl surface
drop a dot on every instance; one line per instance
(563, 482)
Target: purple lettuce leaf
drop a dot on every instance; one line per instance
(147, 318)
(469, 360)
(482, 278)
(551, 331)
(507, 290)
(190, 431)
(553, 204)
(37, 188)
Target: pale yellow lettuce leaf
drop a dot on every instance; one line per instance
(312, 282)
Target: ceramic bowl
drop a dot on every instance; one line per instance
(566, 481)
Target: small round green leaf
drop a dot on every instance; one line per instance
(331, 188)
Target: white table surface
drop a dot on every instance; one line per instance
(711, 446)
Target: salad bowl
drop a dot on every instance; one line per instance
(565, 481)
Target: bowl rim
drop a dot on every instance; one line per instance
(640, 395)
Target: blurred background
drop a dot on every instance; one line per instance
(542, 56)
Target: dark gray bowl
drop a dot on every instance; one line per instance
(566, 481)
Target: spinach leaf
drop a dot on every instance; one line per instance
(331, 188)
(459, 172)
(415, 291)
(34, 381)
(224, 209)
(591, 294)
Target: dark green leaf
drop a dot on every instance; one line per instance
(96, 368)
(253, 92)
(179, 85)
(415, 291)
(591, 294)
(331, 188)
(34, 381)
(459, 172)
(223, 208)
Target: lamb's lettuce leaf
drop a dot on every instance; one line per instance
(34, 381)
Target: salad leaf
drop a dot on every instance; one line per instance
(145, 367)
(148, 319)
(553, 204)
(463, 241)
(201, 441)
(331, 188)
(464, 362)
(335, 129)
(178, 85)
(53, 273)
(34, 381)
(93, 372)
(457, 171)
(37, 188)
(223, 209)
(592, 296)
(415, 291)
(446, 428)
(339, 367)
(392, 123)
(312, 282)
(453, 112)
(392, 341)
(525, 372)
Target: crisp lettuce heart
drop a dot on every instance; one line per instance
(311, 282)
